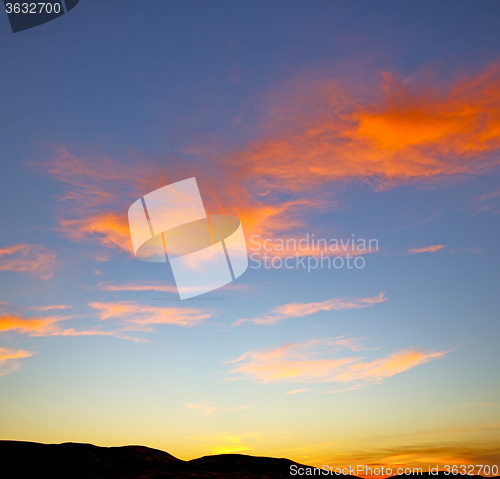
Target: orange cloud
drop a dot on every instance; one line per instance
(90, 185)
(8, 359)
(324, 133)
(6, 354)
(427, 249)
(98, 194)
(298, 310)
(50, 326)
(36, 326)
(139, 317)
(312, 361)
(408, 133)
(386, 367)
(110, 229)
(32, 259)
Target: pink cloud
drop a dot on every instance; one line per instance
(142, 286)
(49, 308)
(50, 326)
(298, 310)
(139, 317)
(427, 249)
(31, 259)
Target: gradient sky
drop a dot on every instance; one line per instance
(378, 119)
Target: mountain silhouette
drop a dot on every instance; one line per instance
(85, 461)
(29, 460)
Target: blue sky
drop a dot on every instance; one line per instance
(327, 118)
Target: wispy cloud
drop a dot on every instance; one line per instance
(427, 249)
(315, 362)
(298, 391)
(159, 286)
(488, 202)
(130, 316)
(9, 357)
(51, 326)
(110, 229)
(49, 308)
(142, 286)
(205, 409)
(134, 316)
(298, 310)
(386, 367)
(31, 259)
(97, 191)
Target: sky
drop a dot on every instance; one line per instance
(342, 121)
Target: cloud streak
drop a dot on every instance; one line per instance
(158, 286)
(298, 310)
(31, 259)
(315, 362)
(141, 286)
(297, 391)
(50, 326)
(134, 316)
(427, 249)
(49, 308)
(130, 316)
(9, 357)
(98, 192)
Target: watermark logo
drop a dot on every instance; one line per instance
(310, 253)
(24, 15)
(205, 252)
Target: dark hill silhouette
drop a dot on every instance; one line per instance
(30, 460)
